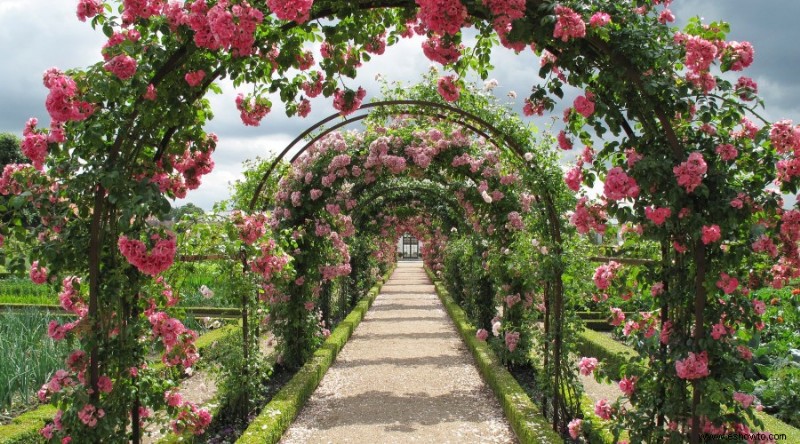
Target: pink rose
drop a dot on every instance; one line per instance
(574, 427)
(710, 234)
(587, 365)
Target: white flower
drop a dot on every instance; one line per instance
(512, 94)
(496, 328)
(543, 250)
(535, 242)
(486, 197)
(528, 156)
(490, 84)
(206, 292)
(506, 251)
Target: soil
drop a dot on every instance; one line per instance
(404, 376)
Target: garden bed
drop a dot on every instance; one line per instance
(24, 429)
(29, 358)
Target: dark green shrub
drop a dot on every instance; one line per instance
(780, 393)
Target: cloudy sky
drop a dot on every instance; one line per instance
(38, 34)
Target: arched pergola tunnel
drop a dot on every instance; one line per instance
(422, 116)
(128, 134)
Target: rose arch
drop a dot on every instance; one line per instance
(430, 152)
(683, 161)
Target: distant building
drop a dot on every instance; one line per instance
(408, 247)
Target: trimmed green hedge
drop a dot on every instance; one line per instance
(525, 417)
(778, 427)
(24, 429)
(613, 355)
(278, 414)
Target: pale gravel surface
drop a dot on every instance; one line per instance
(599, 390)
(200, 388)
(404, 376)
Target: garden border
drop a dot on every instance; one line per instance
(525, 417)
(276, 417)
(613, 355)
(24, 429)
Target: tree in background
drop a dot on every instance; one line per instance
(10, 153)
(243, 190)
(9, 149)
(190, 209)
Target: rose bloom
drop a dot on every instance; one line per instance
(587, 365)
(574, 427)
(603, 409)
(628, 385)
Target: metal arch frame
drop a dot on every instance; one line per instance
(433, 178)
(393, 205)
(316, 138)
(552, 216)
(361, 210)
(554, 289)
(515, 148)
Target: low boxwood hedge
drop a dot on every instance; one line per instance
(24, 429)
(278, 414)
(525, 417)
(609, 352)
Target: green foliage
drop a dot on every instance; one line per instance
(456, 254)
(30, 357)
(780, 392)
(189, 210)
(23, 291)
(9, 149)
(613, 355)
(365, 269)
(525, 417)
(240, 379)
(278, 414)
(24, 429)
(465, 276)
(616, 358)
(781, 323)
(243, 191)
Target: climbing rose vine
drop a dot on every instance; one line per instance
(126, 135)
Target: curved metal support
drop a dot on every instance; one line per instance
(380, 195)
(516, 149)
(362, 117)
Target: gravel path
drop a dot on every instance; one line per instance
(404, 376)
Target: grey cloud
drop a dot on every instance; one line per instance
(36, 35)
(771, 26)
(52, 36)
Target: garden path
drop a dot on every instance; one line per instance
(404, 376)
